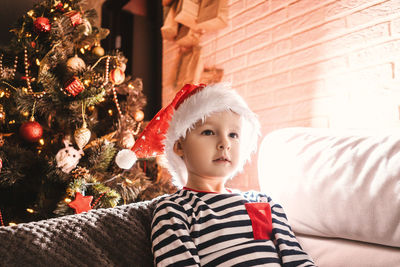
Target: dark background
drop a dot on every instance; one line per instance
(137, 36)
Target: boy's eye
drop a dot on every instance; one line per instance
(233, 135)
(207, 132)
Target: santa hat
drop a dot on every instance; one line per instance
(191, 104)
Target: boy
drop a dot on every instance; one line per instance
(209, 135)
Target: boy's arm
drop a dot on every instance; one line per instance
(172, 244)
(289, 248)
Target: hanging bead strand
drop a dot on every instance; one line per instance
(28, 80)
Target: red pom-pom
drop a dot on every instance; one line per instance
(73, 86)
(31, 131)
(117, 76)
(41, 24)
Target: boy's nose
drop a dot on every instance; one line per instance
(224, 144)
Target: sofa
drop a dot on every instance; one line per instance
(340, 191)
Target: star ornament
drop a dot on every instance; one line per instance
(81, 203)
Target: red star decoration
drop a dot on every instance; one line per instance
(81, 203)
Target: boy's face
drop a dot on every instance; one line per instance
(211, 150)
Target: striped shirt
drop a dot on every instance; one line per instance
(192, 228)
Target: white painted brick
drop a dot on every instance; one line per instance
(260, 70)
(306, 20)
(343, 6)
(297, 93)
(223, 55)
(352, 40)
(260, 55)
(236, 7)
(251, 14)
(283, 30)
(231, 38)
(233, 64)
(276, 115)
(261, 100)
(319, 32)
(316, 71)
(282, 47)
(376, 54)
(395, 27)
(374, 13)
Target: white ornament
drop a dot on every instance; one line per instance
(127, 140)
(68, 157)
(125, 159)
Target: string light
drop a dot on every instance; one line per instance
(12, 224)
(41, 141)
(67, 200)
(30, 210)
(110, 112)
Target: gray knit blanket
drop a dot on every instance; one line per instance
(117, 236)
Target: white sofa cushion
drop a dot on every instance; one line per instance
(335, 183)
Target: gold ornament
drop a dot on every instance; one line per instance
(82, 136)
(98, 51)
(75, 64)
(2, 114)
(139, 115)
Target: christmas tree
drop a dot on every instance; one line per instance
(66, 109)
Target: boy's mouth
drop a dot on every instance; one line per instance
(222, 159)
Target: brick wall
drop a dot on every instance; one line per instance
(312, 63)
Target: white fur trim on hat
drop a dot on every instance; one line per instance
(213, 98)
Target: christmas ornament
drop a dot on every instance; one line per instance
(75, 64)
(98, 51)
(31, 131)
(1, 164)
(2, 114)
(122, 66)
(75, 17)
(1, 140)
(85, 27)
(117, 76)
(41, 25)
(68, 157)
(73, 86)
(81, 203)
(127, 139)
(139, 115)
(82, 136)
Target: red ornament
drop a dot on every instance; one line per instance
(81, 203)
(41, 24)
(117, 76)
(73, 86)
(1, 164)
(31, 131)
(75, 17)
(60, 7)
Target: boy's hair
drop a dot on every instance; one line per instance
(200, 105)
(191, 104)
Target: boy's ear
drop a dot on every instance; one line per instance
(178, 149)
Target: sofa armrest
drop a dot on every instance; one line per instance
(340, 184)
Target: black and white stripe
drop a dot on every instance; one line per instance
(207, 229)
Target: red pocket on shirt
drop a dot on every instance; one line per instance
(261, 220)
